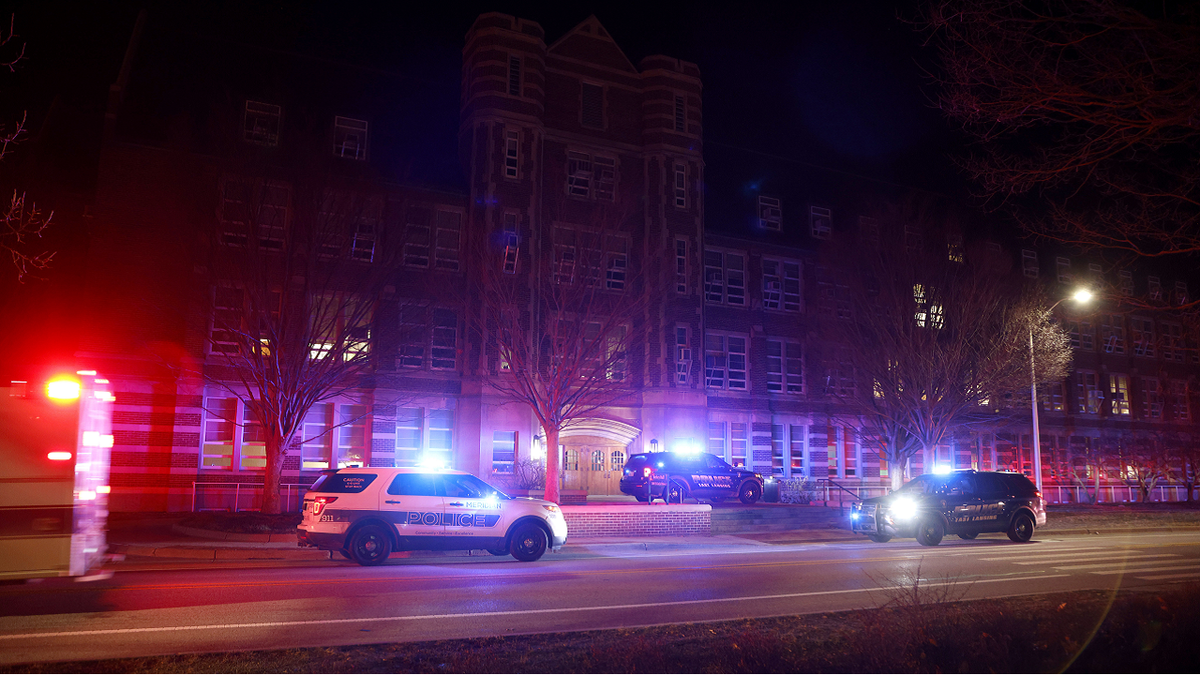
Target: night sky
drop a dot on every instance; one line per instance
(835, 84)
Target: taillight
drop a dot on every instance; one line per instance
(320, 503)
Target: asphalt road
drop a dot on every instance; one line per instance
(152, 607)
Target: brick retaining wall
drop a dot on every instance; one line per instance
(658, 520)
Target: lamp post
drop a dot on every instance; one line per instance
(1081, 296)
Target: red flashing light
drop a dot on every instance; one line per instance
(320, 503)
(63, 389)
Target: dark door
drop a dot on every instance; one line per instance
(963, 506)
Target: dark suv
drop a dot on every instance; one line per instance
(675, 476)
(965, 503)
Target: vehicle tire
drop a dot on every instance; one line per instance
(968, 535)
(370, 546)
(1021, 529)
(677, 491)
(498, 551)
(642, 499)
(930, 532)
(749, 492)
(528, 542)
(879, 538)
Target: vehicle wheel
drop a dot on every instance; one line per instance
(643, 499)
(498, 551)
(750, 492)
(677, 491)
(930, 532)
(968, 535)
(879, 538)
(1021, 529)
(370, 545)
(528, 542)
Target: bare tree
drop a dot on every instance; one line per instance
(24, 222)
(938, 339)
(295, 304)
(1089, 106)
(1140, 462)
(562, 324)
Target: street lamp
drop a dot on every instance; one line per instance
(1081, 296)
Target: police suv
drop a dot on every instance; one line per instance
(965, 503)
(365, 514)
(675, 476)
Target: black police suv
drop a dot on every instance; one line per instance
(965, 503)
(676, 476)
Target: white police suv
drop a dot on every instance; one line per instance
(367, 513)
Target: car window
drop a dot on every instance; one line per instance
(343, 482)
(990, 484)
(1016, 483)
(460, 486)
(715, 463)
(416, 484)
(920, 484)
(962, 482)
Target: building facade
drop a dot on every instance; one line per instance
(553, 141)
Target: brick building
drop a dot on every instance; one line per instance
(551, 138)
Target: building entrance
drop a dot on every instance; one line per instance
(593, 464)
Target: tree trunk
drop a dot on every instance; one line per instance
(896, 471)
(272, 475)
(552, 464)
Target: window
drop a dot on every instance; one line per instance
(716, 439)
(833, 298)
(254, 442)
(680, 114)
(1179, 401)
(1152, 399)
(511, 240)
(349, 138)
(408, 436)
(820, 222)
(1181, 293)
(504, 451)
(316, 447)
(424, 436)
(796, 445)
(220, 416)
(681, 266)
(1095, 270)
(781, 285)
(254, 209)
(1125, 282)
(341, 322)
(514, 75)
(785, 367)
(417, 238)
(868, 230)
(1029, 263)
(724, 277)
(1142, 332)
(1063, 266)
(605, 177)
(739, 442)
(778, 450)
(226, 336)
(954, 248)
(592, 109)
(579, 174)
(352, 436)
(843, 453)
(441, 436)
(512, 147)
(725, 361)
(447, 242)
(1173, 347)
(1051, 396)
(1154, 288)
(362, 248)
(839, 377)
(929, 314)
(1082, 335)
(683, 356)
(412, 338)
(1118, 393)
(681, 186)
(1112, 333)
(617, 263)
(769, 214)
(262, 123)
(443, 340)
(1087, 392)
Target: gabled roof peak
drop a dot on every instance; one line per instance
(591, 27)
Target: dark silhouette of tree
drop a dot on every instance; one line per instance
(937, 338)
(24, 222)
(1084, 111)
(561, 323)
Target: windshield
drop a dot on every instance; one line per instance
(923, 484)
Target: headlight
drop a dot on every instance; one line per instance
(904, 508)
(854, 515)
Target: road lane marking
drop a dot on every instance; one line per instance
(1149, 569)
(1160, 577)
(1111, 563)
(1062, 556)
(1113, 559)
(514, 612)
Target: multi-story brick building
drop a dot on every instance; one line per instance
(552, 139)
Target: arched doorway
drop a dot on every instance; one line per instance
(594, 453)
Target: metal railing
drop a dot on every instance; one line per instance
(206, 499)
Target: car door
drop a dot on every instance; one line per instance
(995, 502)
(474, 513)
(962, 503)
(411, 501)
(720, 476)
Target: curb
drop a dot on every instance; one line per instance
(218, 553)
